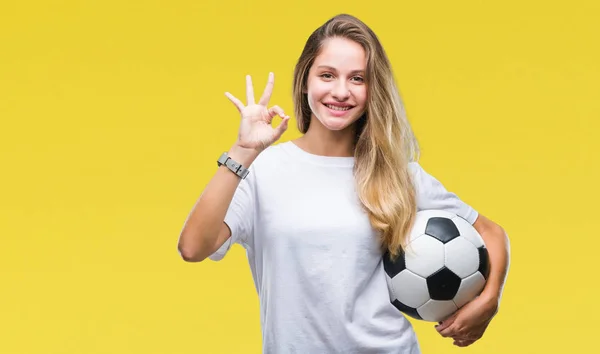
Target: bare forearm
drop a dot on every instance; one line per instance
(202, 226)
(498, 246)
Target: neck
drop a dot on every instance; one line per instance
(319, 140)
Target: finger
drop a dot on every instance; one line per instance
(238, 104)
(249, 91)
(276, 110)
(282, 127)
(266, 96)
(469, 336)
(442, 325)
(463, 342)
(449, 332)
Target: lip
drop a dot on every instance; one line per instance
(337, 113)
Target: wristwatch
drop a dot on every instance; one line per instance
(234, 166)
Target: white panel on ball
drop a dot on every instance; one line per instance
(436, 310)
(418, 228)
(424, 256)
(468, 231)
(469, 288)
(462, 258)
(388, 280)
(410, 289)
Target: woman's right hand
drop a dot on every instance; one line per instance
(256, 132)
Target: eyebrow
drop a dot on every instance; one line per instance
(333, 69)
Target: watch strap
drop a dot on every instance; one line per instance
(233, 165)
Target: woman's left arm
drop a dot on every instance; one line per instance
(497, 243)
(469, 323)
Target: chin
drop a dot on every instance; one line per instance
(336, 124)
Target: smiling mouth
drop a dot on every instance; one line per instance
(337, 108)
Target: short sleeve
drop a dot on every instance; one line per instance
(431, 194)
(239, 217)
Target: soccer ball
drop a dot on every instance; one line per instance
(444, 266)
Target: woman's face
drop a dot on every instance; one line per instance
(336, 88)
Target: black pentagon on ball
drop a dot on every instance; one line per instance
(392, 268)
(484, 262)
(443, 284)
(441, 228)
(411, 311)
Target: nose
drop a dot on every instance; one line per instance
(340, 90)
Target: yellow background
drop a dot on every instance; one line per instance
(113, 116)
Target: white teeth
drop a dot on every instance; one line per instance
(336, 108)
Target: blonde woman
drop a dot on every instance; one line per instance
(315, 214)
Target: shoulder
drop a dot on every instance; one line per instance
(416, 171)
(422, 180)
(268, 156)
(413, 166)
(269, 162)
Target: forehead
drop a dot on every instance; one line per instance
(342, 54)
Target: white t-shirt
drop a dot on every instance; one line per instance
(315, 258)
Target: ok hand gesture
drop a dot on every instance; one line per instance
(256, 131)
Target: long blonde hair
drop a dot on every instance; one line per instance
(384, 141)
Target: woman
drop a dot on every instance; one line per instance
(315, 214)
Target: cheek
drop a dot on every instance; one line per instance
(312, 101)
(315, 95)
(361, 95)
(317, 90)
(313, 104)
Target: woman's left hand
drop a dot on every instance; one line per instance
(468, 324)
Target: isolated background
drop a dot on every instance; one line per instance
(113, 116)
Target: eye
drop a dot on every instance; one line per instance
(326, 76)
(358, 78)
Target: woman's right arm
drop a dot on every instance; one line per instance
(204, 231)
